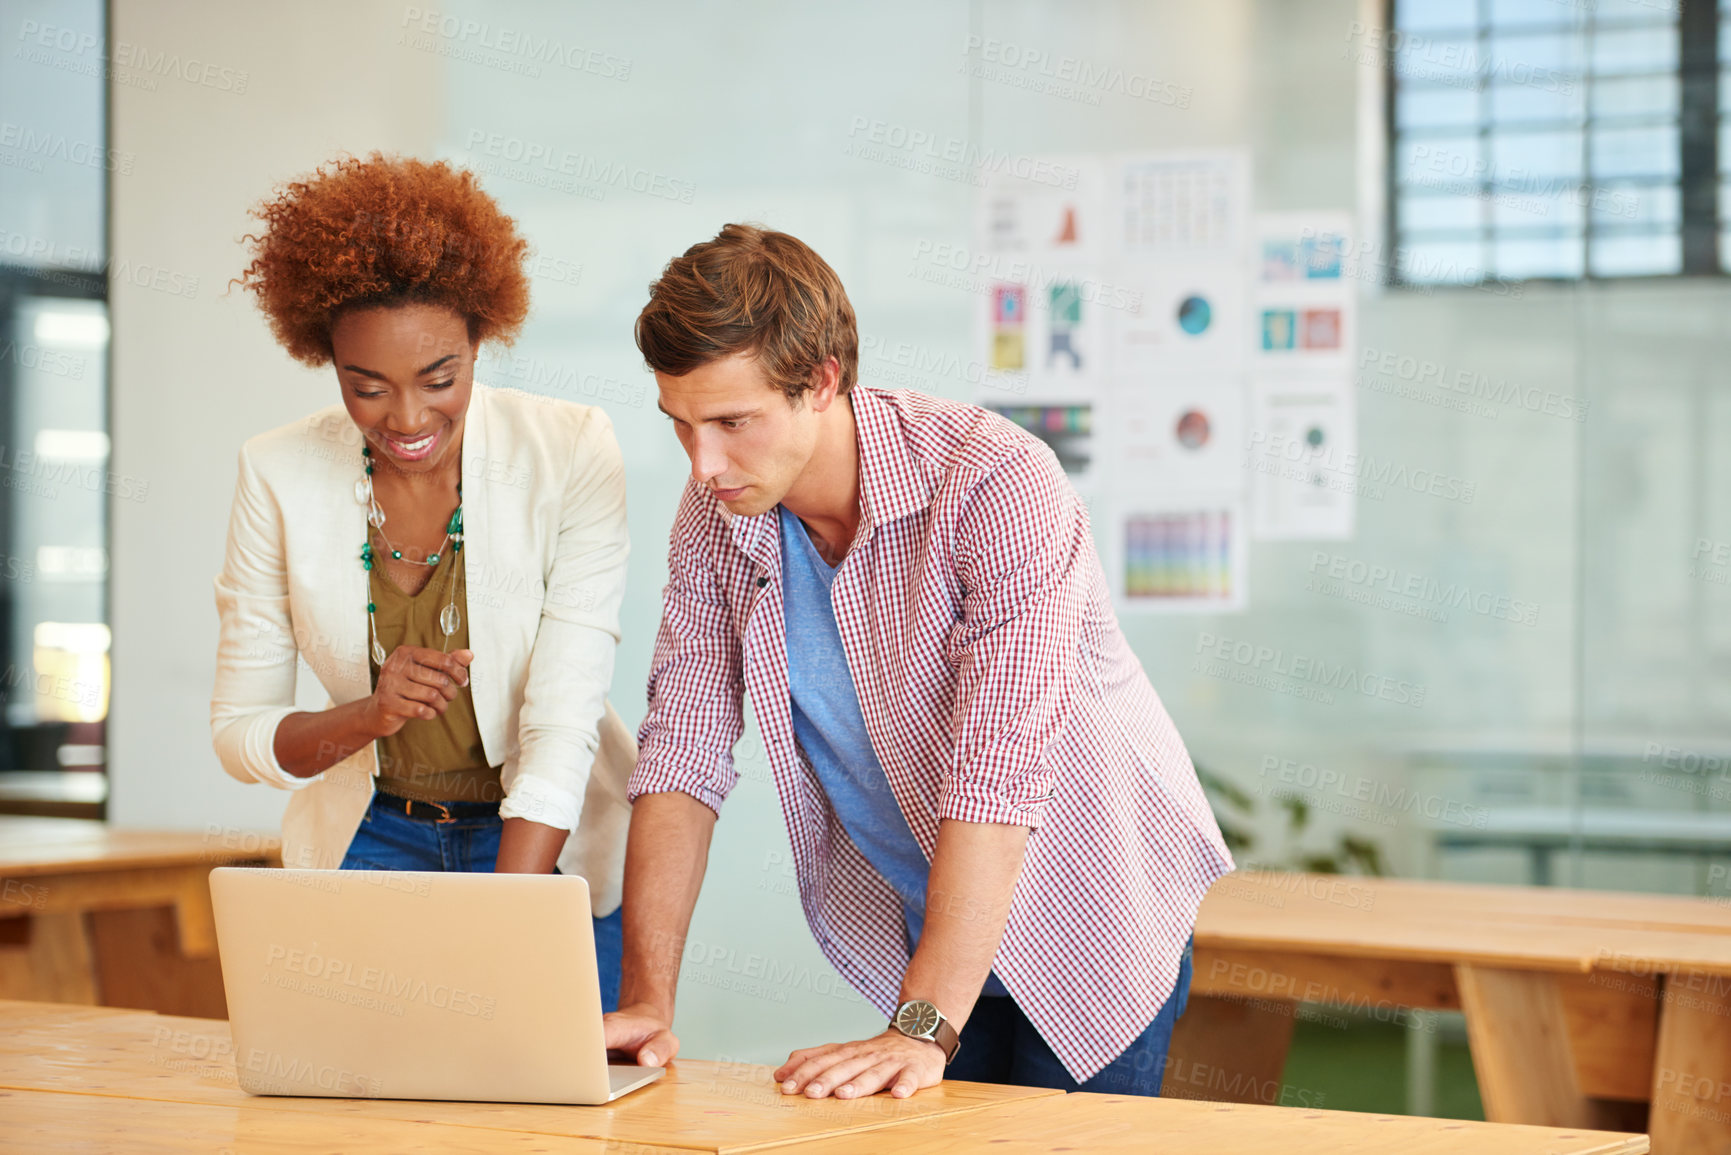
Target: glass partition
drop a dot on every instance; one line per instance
(55, 483)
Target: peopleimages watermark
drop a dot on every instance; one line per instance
(41, 359)
(1717, 876)
(1448, 170)
(1469, 384)
(500, 45)
(1338, 890)
(1419, 270)
(931, 153)
(1688, 987)
(19, 892)
(540, 377)
(958, 266)
(1708, 1097)
(1451, 60)
(758, 975)
(34, 146)
(1688, 771)
(913, 366)
(1386, 801)
(1711, 561)
(1277, 669)
(389, 231)
(123, 61)
(1189, 1079)
(547, 165)
(73, 261)
(61, 687)
(1287, 455)
(1073, 78)
(1392, 588)
(195, 1051)
(1279, 991)
(50, 471)
(369, 987)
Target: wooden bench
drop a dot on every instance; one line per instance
(1583, 1009)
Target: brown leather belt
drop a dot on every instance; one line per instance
(434, 811)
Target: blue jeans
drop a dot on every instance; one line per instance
(388, 839)
(1000, 1045)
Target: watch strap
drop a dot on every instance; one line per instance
(947, 1038)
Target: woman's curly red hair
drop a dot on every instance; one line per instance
(379, 232)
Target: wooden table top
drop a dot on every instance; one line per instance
(91, 1077)
(701, 1106)
(35, 846)
(1127, 1125)
(32, 1122)
(1522, 927)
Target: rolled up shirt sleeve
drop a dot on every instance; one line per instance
(696, 686)
(571, 665)
(256, 648)
(1023, 550)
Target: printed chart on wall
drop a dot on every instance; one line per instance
(1304, 302)
(1191, 557)
(1042, 238)
(1175, 404)
(1120, 329)
(1303, 434)
(1301, 445)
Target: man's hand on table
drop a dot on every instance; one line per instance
(641, 1032)
(855, 1070)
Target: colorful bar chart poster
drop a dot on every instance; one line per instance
(1189, 559)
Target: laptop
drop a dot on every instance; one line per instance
(414, 985)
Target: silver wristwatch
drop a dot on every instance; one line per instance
(918, 1019)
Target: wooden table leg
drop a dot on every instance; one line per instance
(1691, 1112)
(139, 961)
(1229, 1051)
(1519, 1037)
(52, 962)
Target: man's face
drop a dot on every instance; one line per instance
(746, 443)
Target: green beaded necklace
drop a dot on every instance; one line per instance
(450, 618)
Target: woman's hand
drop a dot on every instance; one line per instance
(417, 683)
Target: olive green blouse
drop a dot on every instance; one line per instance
(438, 759)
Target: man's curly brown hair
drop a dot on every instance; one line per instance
(384, 231)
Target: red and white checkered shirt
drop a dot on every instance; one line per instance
(996, 687)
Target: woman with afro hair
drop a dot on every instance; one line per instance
(447, 559)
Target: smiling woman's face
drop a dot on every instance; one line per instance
(406, 372)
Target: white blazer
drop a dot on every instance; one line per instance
(545, 542)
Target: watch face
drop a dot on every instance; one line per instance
(918, 1018)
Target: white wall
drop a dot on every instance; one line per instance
(196, 373)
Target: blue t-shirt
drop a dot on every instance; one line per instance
(832, 731)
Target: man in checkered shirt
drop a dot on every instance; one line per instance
(999, 838)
